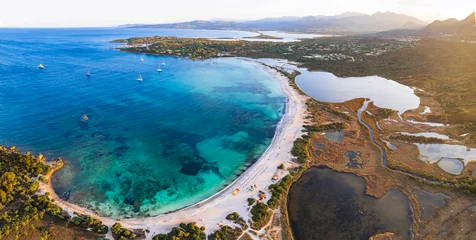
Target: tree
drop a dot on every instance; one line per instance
(8, 182)
(3, 197)
(116, 228)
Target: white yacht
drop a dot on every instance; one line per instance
(88, 73)
(140, 78)
(41, 66)
(141, 59)
(159, 69)
(163, 62)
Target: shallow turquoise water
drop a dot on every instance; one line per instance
(148, 147)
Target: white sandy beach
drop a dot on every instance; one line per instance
(212, 211)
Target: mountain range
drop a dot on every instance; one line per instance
(447, 28)
(452, 26)
(348, 22)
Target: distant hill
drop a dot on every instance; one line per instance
(448, 29)
(349, 22)
(466, 26)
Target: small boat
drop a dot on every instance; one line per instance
(41, 66)
(141, 59)
(88, 73)
(85, 118)
(159, 69)
(140, 78)
(163, 62)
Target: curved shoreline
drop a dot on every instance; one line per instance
(212, 211)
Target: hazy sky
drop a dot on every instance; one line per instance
(83, 13)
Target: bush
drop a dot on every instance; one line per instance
(323, 127)
(251, 201)
(190, 231)
(237, 219)
(121, 233)
(260, 214)
(86, 221)
(226, 233)
(299, 149)
(277, 191)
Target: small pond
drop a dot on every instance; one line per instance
(324, 204)
(451, 165)
(450, 158)
(429, 202)
(355, 161)
(427, 135)
(431, 124)
(335, 136)
(434, 152)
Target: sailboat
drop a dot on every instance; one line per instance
(159, 69)
(88, 73)
(41, 66)
(141, 59)
(163, 62)
(140, 78)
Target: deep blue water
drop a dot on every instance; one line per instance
(148, 147)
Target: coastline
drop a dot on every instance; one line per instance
(211, 212)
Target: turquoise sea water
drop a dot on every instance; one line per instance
(149, 147)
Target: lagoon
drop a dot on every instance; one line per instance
(324, 204)
(327, 87)
(384, 93)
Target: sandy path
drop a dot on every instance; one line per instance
(212, 211)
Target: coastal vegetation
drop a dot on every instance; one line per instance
(88, 222)
(251, 201)
(260, 214)
(21, 206)
(194, 48)
(299, 149)
(237, 219)
(278, 190)
(185, 231)
(226, 233)
(121, 233)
